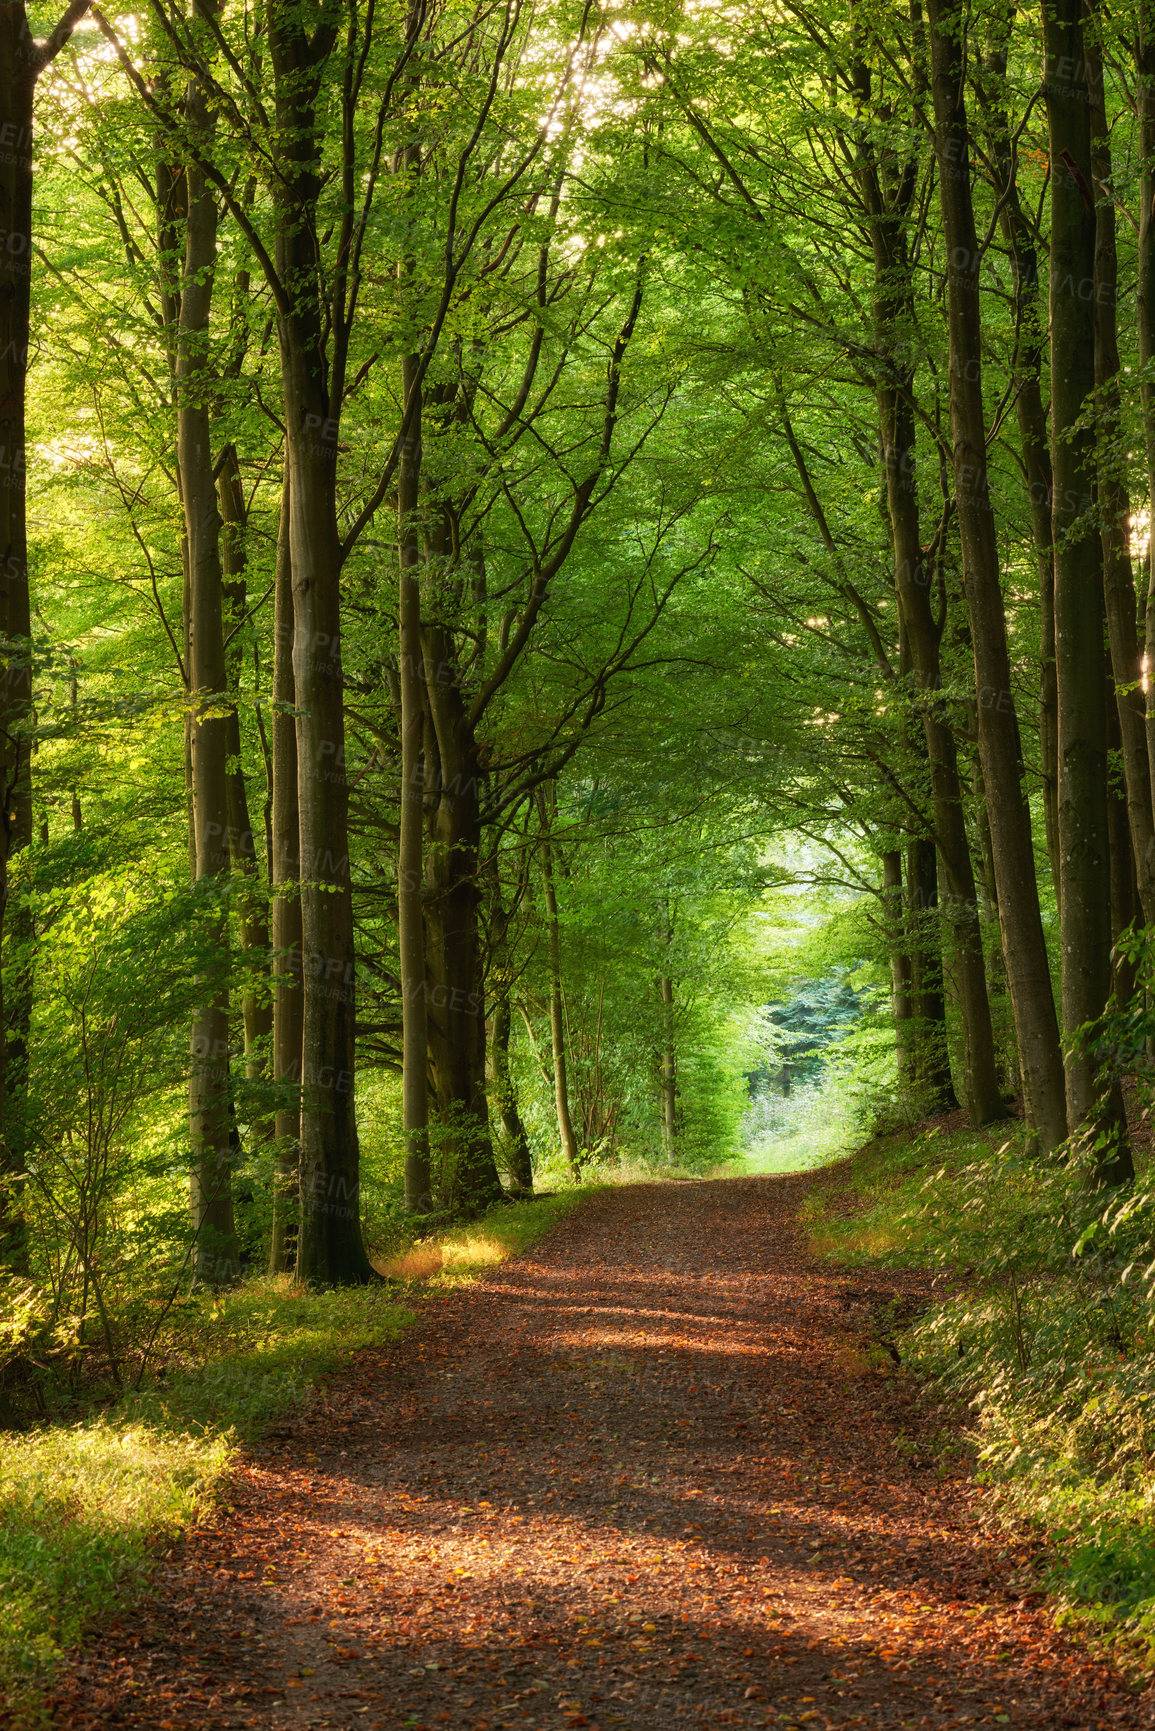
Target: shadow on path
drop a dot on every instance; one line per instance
(639, 1477)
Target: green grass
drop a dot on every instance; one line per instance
(83, 1505)
(1044, 1333)
(464, 1252)
(80, 1511)
(872, 1209)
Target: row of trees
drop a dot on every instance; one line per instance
(472, 444)
(364, 496)
(935, 212)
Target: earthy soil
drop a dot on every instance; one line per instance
(645, 1475)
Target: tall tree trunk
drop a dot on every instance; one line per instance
(1086, 906)
(285, 871)
(1115, 512)
(21, 62)
(898, 947)
(569, 1145)
(455, 1010)
(1010, 1082)
(251, 902)
(888, 207)
(410, 855)
(1125, 906)
(455, 1006)
(210, 1104)
(928, 1000)
(912, 582)
(330, 1248)
(986, 860)
(1028, 975)
(1145, 317)
(668, 1053)
(502, 1092)
(1030, 345)
(668, 1071)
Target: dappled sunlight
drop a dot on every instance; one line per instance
(654, 1342)
(425, 1260)
(514, 1520)
(480, 1251)
(419, 1262)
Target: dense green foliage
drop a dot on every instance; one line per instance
(542, 645)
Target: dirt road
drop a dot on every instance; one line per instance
(640, 1477)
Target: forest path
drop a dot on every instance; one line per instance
(640, 1477)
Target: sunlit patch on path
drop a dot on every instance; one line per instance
(639, 1478)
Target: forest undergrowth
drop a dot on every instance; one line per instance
(1041, 1340)
(90, 1490)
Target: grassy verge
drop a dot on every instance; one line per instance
(462, 1253)
(83, 1504)
(1045, 1330)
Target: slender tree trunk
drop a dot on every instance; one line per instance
(668, 1070)
(912, 581)
(897, 944)
(455, 1011)
(284, 870)
(410, 857)
(987, 879)
(185, 604)
(1115, 513)
(1010, 1082)
(928, 1000)
(1030, 345)
(330, 1248)
(503, 1104)
(668, 1054)
(1049, 718)
(18, 71)
(415, 720)
(1125, 906)
(1086, 907)
(888, 206)
(252, 901)
(21, 62)
(455, 1008)
(502, 1092)
(210, 1104)
(1145, 314)
(1024, 948)
(455, 1003)
(569, 1145)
